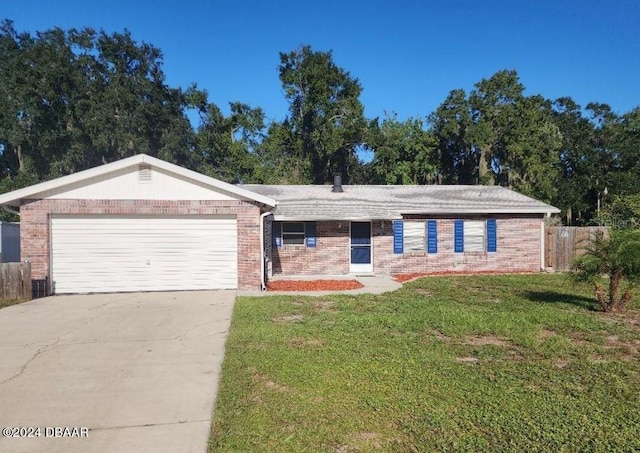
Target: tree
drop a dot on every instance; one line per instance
(576, 151)
(74, 99)
(453, 127)
(226, 146)
(497, 135)
(616, 257)
(326, 117)
(404, 152)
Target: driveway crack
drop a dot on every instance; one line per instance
(33, 357)
(148, 425)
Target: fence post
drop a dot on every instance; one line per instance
(27, 290)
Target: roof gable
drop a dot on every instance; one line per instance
(137, 177)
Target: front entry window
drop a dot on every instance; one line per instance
(361, 247)
(293, 233)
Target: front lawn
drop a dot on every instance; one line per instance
(488, 363)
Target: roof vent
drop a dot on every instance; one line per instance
(144, 173)
(337, 183)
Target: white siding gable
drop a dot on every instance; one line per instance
(130, 184)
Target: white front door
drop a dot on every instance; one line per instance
(361, 253)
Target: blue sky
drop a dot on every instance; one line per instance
(407, 54)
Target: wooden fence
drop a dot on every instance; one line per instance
(563, 244)
(15, 281)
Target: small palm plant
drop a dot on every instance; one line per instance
(616, 257)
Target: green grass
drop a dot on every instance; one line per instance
(491, 363)
(9, 302)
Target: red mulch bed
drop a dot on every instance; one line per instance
(313, 285)
(403, 278)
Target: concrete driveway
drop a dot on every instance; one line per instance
(140, 371)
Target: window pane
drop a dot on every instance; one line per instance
(413, 236)
(293, 239)
(474, 236)
(361, 255)
(360, 233)
(293, 227)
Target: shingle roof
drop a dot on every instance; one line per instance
(388, 202)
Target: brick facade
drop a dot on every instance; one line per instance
(35, 221)
(518, 250)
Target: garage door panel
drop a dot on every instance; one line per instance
(137, 253)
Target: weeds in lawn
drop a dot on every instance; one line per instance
(490, 363)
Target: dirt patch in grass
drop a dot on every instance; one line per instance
(313, 285)
(269, 384)
(433, 334)
(545, 334)
(324, 305)
(467, 359)
(359, 441)
(561, 363)
(629, 318)
(486, 340)
(305, 342)
(288, 318)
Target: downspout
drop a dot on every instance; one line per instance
(543, 264)
(263, 283)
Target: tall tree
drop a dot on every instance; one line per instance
(454, 129)
(226, 146)
(404, 152)
(497, 135)
(75, 99)
(326, 116)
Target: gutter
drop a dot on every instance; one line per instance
(10, 211)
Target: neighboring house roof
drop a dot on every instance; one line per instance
(33, 192)
(367, 202)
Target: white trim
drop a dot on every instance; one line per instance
(426, 211)
(13, 198)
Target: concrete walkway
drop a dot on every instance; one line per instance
(140, 371)
(373, 284)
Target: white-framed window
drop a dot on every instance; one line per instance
(474, 235)
(414, 236)
(293, 233)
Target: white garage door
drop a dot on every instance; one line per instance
(140, 253)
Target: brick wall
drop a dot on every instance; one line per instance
(35, 215)
(330, 256)
(518, 250)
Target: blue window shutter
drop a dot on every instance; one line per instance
(432, 236)
(458, 231)
(492, 236)
(310, 233)
(398, 240)
(276, 234)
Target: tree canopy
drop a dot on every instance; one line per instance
(73, 99)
